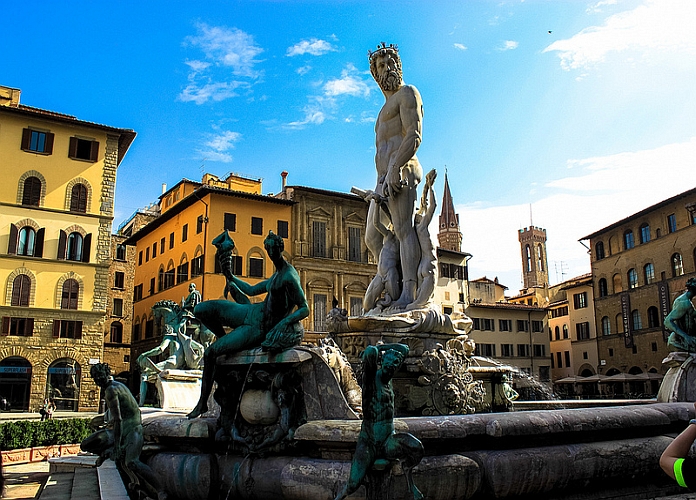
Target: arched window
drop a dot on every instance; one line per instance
(32, 191)
(120, 252)
(565, 331)
(632, 278)
(558, 333)
(116, 332)
(599, 250)
(649, 273)
(617, 283)
(74, 247)
(677, 265)
(71, 292)
(21, 287)
(644, 233)
(540, 258)
(63, 384)
(528, 257)
(160, 279)
(653, 317)
(136, 330)
(78, 198)
(606, 326)
(629, 242)
(637, 322)
(26, 241)
(603, 290)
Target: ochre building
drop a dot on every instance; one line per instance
(56, 199)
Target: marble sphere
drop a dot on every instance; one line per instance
(257, 407)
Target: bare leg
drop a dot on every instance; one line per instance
(401, 207)
(362, 461)
(373, 238)
(409, 451)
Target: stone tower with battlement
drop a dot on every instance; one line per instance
(534, 263)
(449, 236)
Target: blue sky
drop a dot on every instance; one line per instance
(585, 110)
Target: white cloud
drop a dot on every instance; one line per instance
(313, 46)
(303, 70)
(597, 7)
(228, 47)
(600, 191)
(349, 83)
(223, 141)
(460, 46)
(197, 66)
(661, 26)
(209, 91)
(509, 45)
(215, 156)
(313, 116)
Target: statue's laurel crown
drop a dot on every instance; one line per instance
(382, 47)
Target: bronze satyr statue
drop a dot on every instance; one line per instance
(681, 320)
(122, 438)
(272, 324)
(378, 444)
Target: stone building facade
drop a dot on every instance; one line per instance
(55, 251)
(640, 264)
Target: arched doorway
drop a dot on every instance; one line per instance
(63, 384)
(15, 382)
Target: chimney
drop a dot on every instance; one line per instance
(284, 175)
(164, 187)
(9, 96)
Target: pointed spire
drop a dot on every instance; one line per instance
(449, 237)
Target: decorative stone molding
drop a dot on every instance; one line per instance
(59, 288)
(28, 222)
(75, 229)
(10, 282)
(68, 192)
(20, 187)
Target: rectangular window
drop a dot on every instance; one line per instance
(523, 350)
(162, 246)
(505, 325)
(119, 280)
(611, 352)
(354, 244)
(117, 309)
(17, 327)
(537, 326)
(522, 325)
(318, 239)
(584, 355)
(539, 350)
(654, 346)
(559, 359)
(356, 306)
(199, 224)
(197, 266)
(256, 225)
(147, 254)
(138, 292)
(283, 228)
(561, 311)
(488, 324)
(67, 329)
(154, 250)
(477, 323)
(184, 233)
(567, 358)
(583, 330)
(671, 223)
(140, 258)
(149, 329)
(255, 267)
(580, 300)
(152, 286)
(136, 332)
(507, 350)
(171, 241)
(552, 365)
(182, 273)
(83, 149)
(485, 350)
(230, 222)
(169, 278)
(120, 252)
(319, 312)
(237, 265)
(37, 141)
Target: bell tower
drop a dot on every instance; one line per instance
(449, 236)
(534, 264)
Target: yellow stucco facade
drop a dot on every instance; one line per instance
(56, 211)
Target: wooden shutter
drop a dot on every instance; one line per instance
(12, 246)
(78, 329)
(48, 148)
(5, 330)
(86, 244)
(94, 153)
(39, 242)
(56, 328)
(29, 327)
(26, 139)
(72, 148)
(62, 243)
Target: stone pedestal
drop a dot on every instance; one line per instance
(679, 384)
(178, 390)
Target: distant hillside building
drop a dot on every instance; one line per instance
(640, 264)
(57, 197)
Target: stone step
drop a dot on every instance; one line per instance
(58, 487)
(85, 484)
